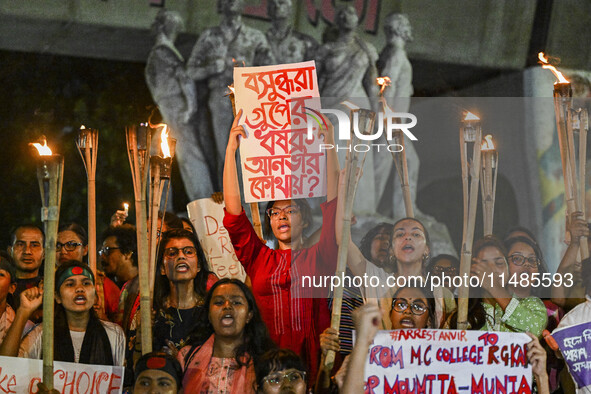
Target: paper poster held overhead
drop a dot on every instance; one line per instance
(278, 161)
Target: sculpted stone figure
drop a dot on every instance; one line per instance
(346, 66)
(213, 58)
(288, 46)
(393, 62)
(175, 94)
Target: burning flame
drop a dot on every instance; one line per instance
(383, 82)
(164, 141)
(471, 116)
(488, 143)
(548, 66)
(42, 149)
(231, 87)
(125, 206)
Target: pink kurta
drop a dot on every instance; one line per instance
(295, 320)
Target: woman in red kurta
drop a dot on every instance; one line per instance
(294, 319)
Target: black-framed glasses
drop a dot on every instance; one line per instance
(274, 213)
(400, 305)
(106, 250)
(69, 246)
(275, 379)
(188, 251)
(519, 260)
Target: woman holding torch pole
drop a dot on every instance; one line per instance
(79, 336)
(292, 321)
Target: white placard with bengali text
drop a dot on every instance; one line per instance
(278, 161)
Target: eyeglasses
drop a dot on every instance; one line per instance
(274, 213)
(519, 260)
(400, 305)
(106, 250)
(69, 246)
(276, 379)
(440, 270)
(188, 251)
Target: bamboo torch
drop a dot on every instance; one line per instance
(574, 190)
(365, 119)
(470, 133)
(50, 172)
(87, 144)
(254, 206)
(488, 184)
(399, 157)
(160, 170)
(138, 151)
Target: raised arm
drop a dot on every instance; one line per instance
(561, 296)
(355, 259)
(230, 183)
(30, 300)
(366, 320)
(332, 160)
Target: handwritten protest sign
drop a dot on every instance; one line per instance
(448, 361)
(207, 216)
(21, 375)
(278, 161)
(575, 345)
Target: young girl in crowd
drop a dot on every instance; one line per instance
(157, 373)
(182, 281)
(72, 244)
(492, 307)
(280, 371)
(294, 320)
(222, 348)
(79, 336)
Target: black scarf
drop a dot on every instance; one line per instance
(96, 347)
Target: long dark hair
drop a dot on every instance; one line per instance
(161, 282)
(509, 242)
(366, 241)
(96, 347)
(256, 336)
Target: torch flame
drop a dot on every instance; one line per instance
(488, 143)
(383, 82)
(231, 87)
(164, 141)
(548, 66)
(471, 116)
(42, 149)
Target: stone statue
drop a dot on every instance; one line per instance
(346, 66)
(288, 46)
(213, 58)
(175, 94)
(393, 62)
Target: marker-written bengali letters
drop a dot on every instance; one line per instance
(278, 161)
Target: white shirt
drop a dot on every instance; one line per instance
(31, 345)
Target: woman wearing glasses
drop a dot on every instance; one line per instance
(182, 281)
(293, 317)
(412, 307)
(497, 309)
(280, 371)
(72, 244)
